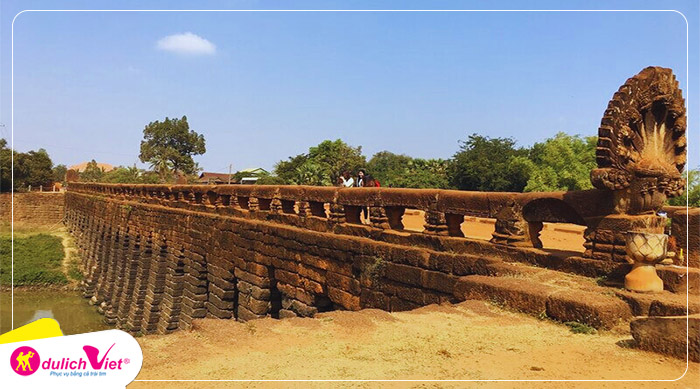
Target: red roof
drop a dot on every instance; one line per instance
(212, 177)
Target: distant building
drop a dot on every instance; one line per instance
(245, 176)
(81, 167)
(254, 171)
(214, 178)
(251, 175)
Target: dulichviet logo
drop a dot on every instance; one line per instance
(25, 360)
(110, 358)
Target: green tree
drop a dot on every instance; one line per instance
(402, 171)
(425, 173)
(288, 171)
(692, 191)
(334, 157)
(92, 173)
(130, 175)
(123, 175)
(313, 173)
(488, 164)
(32, 169)
(59, 173)
(563, 162)
(268, 179)
(389, 168)
(168, 146)
(322, 165)
(5, 166)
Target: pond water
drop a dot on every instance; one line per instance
(69, 308)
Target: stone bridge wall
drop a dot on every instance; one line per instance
(156, 257)
(155, 268)
(35, 208)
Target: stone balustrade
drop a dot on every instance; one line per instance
(519, 215)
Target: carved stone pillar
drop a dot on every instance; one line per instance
(304, 208)
(253, 204)
(435, 222)
(276, 206)
(337, 213)
(511, 228)
(377, 217)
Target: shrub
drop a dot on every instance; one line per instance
(580, 328)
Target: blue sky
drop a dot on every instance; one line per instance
(265, 86)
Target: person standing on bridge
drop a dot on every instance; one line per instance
(368, 182)
(360, 182)
(371, 182)
(345, 180)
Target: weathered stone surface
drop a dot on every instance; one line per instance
(510, 292)
(286, 314)
(646, 112)
(685, 227)
(668, 335)
(594, 309)
(34, 208)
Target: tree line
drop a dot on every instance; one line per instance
(168, 148)
(31, 169)
(481, 163)
(560, 163)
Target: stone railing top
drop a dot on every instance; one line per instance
(571, 207)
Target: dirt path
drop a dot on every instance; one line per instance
(470, 340)
(69, 249)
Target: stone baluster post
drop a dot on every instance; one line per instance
(435, 222)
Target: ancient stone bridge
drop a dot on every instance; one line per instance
(158, 256)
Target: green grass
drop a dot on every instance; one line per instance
(580, 328)
(37, 260)
(74, 270)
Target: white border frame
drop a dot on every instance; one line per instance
(12, 129)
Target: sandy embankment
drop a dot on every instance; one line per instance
(470, 340)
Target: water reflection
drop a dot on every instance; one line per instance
(68, 307)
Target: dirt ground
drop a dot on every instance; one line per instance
(468, 341)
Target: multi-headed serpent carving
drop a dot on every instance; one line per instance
(641, 148)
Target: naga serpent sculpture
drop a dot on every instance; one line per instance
(641, 149)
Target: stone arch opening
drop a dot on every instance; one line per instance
(549, 210)
(275, 294)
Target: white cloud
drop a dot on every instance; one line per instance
(187, 43)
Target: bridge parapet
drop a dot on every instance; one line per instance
(340, 210)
